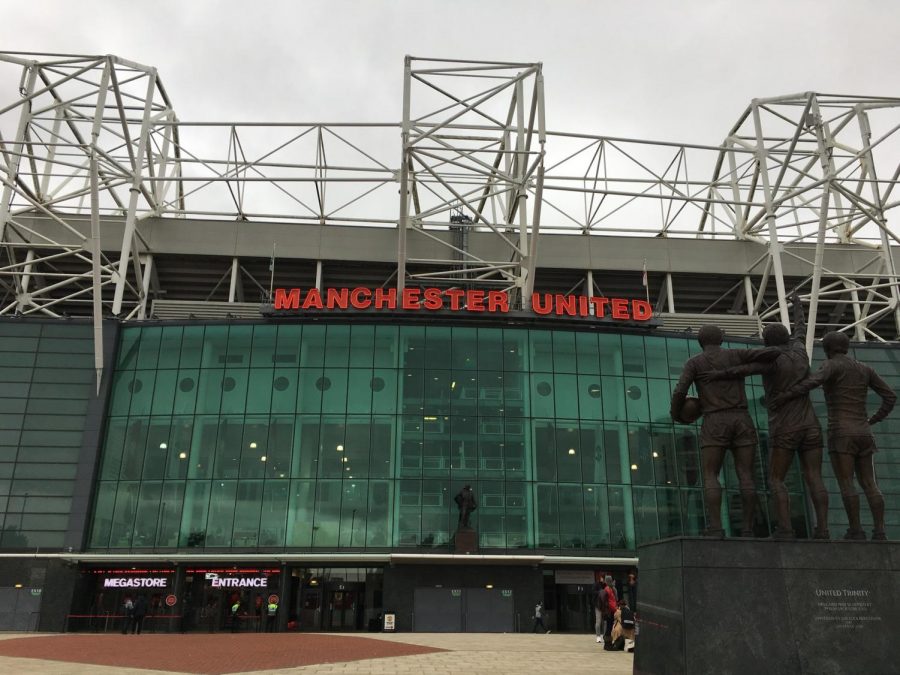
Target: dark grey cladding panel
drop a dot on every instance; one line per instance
(840, 555)
(730, 553)
(660, 555)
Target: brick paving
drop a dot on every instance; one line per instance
(311, 654)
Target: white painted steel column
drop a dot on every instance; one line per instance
(319, 275)
(403, 222)
(235, 274)
(145, 287)
(827, 168)
(17, 150)
(128, 235)
(774, 244)
(748, 294)
(670, 294)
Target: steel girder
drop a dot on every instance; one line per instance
(95, 137)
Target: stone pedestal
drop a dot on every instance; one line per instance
(749, 606)
(465, 540)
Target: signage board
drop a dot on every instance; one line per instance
(390, 622)
(458, 300)
(135, 582)
(171, 600)
(585, 577)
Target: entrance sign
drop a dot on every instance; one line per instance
(458, 300)
(232, 582)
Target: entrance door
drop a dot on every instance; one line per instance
(343, 609)
(576, 608)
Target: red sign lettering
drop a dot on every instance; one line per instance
(459, 300)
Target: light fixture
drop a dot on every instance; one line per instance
(590, 489)
(182, 455)
(340, 448)
(163, 446)
(634, 467)
(453, 384)
(262, 459)
(655, 454)
(571, 451)
(489, 586)
(18, 585)
(253, 445)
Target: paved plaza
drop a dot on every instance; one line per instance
(381, 654)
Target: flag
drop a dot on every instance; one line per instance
(644, 276)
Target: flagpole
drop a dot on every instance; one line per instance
(646, 283)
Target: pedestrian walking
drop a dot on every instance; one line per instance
(539, 613)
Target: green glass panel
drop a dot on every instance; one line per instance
(490, 447)
(111, 462)
(357, 447)
(170, 514)
(273, 514)
(234, 390)
(129, 341)
(195, 514)
(384, 391)
(687, 452)
(436, 514)
(464, 444)
(465, 349)
(668, 512)
(148, 352)
(170, 347)
(157, 452)
(412, 391)
(587, 354)
(301, 514)
(202, 455)
(164, 392)
(386, 350)
(147, 514)
(289, 346)
(665, 465)
(378, 521)
(141, 388)
(334, 390)
(122, 526)
(637, 400)
(215, 347)
(640, 454)
(192, 347)
(571, 517)
(104, 508)
(179, 447)
(337, 346)
(284, 390)
(438, 347)
(613, 393)
(209, 391)
(489, 391)
(541, 350)
(645, 521)
(259, 390)
(412, 346)
(362, 344)
(44, 471)
(515, 458)
(247, 514)
(437, 392)
(332, 446)
(411, 445)
(544, 450)
(305, 455)
(262, 354)
(353, 514)
(610, 350)
(515, 394)
(518, 532)
(220, 523)
(565, 393)
(542, 395)
(596, 516)
(133, 449)
(490, 347)
(312, 349)
(546, 512)
(328, 514)
(240, 339)
(409, 508)
(564, 360)
(185, 392)
(281, 438)
(310, 390)
(382, 448)
(515, 351)
(359, 390)
(692, 511)
(568, 452)
(621, 517)
(255, 447)
(227, 460)
(677, 352)
(590, 397)
(660, 392)
(615, 448)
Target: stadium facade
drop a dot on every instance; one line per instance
(218, 385)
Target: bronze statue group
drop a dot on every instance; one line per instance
(718, 375)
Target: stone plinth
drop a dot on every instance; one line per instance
(749, 606)
(465, 540)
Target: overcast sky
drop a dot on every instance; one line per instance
(680, 71)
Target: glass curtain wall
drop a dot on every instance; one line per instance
(273, 437)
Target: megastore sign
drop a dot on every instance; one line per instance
(135, 582)
(458, 300)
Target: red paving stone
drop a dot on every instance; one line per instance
(207, 654)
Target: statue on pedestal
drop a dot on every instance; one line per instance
(726, 425)
(465, 502)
